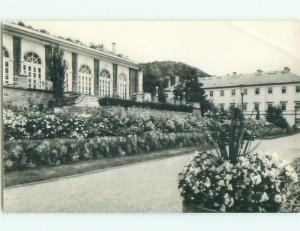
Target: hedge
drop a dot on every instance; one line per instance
(36, 153)
(158, 106)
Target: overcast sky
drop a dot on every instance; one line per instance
(216, 47)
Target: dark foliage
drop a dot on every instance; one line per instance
(274, 116)
(131, 103)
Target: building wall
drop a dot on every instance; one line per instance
(23, 98)
(68, 77)
(38, 45)
(276, 98)
(8, 44)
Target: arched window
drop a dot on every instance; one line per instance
(85, 84)
(123, 85)
(68, 78)
(6, 67)
(105, 83)
(32, 67)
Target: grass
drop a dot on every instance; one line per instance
(14, 178)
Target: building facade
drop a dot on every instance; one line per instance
(90, 71)
(257, 91)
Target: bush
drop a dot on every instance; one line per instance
(255, 183)
(274, 116)
(37, 153)
(131, 103)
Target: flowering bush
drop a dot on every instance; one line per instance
(102, 122)
(35, 153)
(255, 183)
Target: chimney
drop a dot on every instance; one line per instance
(286, 70)
(114, 48)
(259, 72)
(233, 73)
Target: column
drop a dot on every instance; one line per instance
(96, 77)
(74, 71)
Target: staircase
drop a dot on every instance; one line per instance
(76, 102)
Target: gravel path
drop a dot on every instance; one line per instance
(145, 187)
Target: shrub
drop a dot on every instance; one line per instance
(131, 103)
(274, 116)
(255, 183)
(35, 153)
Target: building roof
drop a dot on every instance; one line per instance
(30, 32)
(253, 79)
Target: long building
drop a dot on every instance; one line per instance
(257, 91)
(92, 71)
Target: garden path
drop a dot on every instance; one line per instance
(145, 187)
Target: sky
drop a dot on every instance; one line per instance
(216, 47)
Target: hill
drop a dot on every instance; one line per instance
(155, 73)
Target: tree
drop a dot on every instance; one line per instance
(193, 90)
(274, 116)
(57, 71)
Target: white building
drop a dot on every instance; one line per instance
(257, 91)
(94, 72)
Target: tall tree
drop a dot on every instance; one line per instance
(193, 90)
(57, 71)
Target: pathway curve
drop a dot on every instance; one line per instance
(145, 187)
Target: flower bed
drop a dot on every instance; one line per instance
(256, 183)
(233, 177)
(36, 153)
(102, 122)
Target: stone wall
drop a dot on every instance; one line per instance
(23, 98)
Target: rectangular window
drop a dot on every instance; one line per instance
(283, 106)
(269, 105)
(298, 88)
(211, 93)
(244, 106)
(222, 93)
(256, 106)
(232, 92)
(232, 105)
(245, 91)
(270, 90)
(283, 90)
(222, 106)
(256, 91)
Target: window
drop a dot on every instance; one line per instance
(283, 106)
(298, 88)
(232, 105)
(245, 91)
(32, 67)
(221, 105)
(256, 106)
(244, 106)
(256, 91)
(84, 77)
(105, 83)
(122, 85)
(270, 90)
(232, 92)
(222, 92)
(269, 104)
(211, 93)
(8, 77)
(283, 90)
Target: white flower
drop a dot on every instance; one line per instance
(277, 198)
(207, 182)
(221, 183)
(264, 197)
